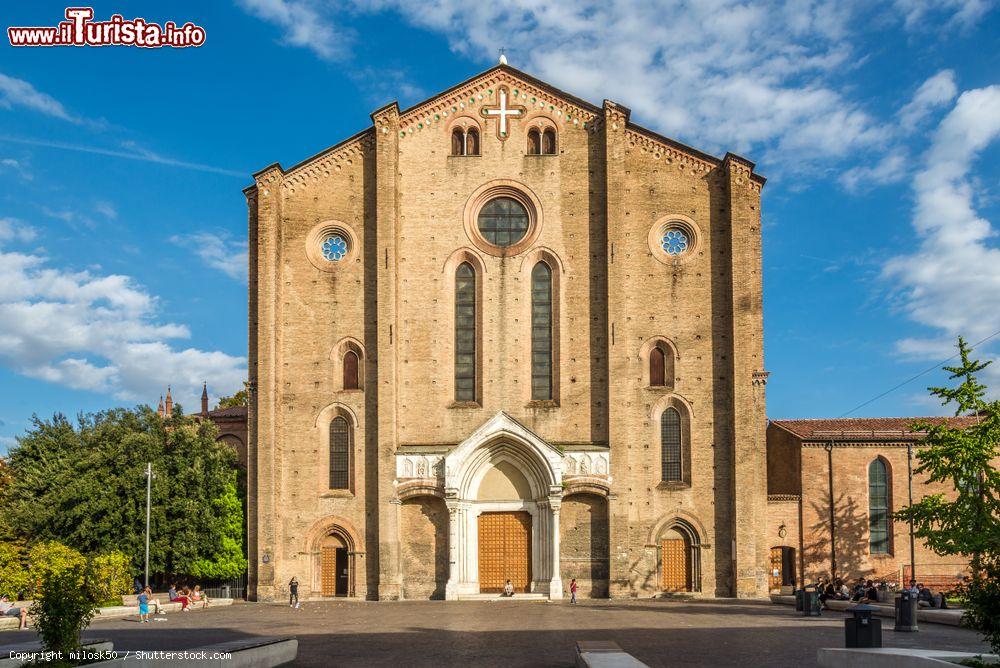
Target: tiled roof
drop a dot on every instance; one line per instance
(234, 412)
(853, 429)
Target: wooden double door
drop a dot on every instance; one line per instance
(676, 565)
(504, 551)
(334, 570)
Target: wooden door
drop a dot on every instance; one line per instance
(504, 551)
(776, 568)
(328, 570)
(676, 565)
(342, 571)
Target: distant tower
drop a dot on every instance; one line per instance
(169, 405)
(204, 399)
(159, 409)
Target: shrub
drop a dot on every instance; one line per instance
(14, 579)
(64, 608)
(49, 558)
(982, 601)
(110, 576)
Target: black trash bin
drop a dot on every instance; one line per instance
(799, 594)
(906, 611)
(862, 629)
(810, 602)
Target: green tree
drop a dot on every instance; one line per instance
(63, 609)
(110, 577)
(84, 485)
(229, 561)
(963, 458)
(236, 400)
(51, 558)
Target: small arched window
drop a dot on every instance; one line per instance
(549, 142)
(472, 142)
(541, 332)
(457, 142)
(351, 380)
(465, 333)
(657, 367)
(879, 526)
(671, 445)
(534, 142)
(340, 453)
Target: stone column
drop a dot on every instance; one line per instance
(555, 584)
(454, 519)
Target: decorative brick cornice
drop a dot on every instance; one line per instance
(760, 377)
(478, 91)
(741, 171)
(781, 498)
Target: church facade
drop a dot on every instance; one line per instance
(506, 334)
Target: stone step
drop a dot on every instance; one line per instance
(498, 597)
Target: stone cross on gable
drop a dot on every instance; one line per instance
(502, 111)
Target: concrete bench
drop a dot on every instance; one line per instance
(892, 657)
(604, 654)
(262, 652)
(10, 655)
(930, 615)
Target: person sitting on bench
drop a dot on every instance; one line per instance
(7, 609)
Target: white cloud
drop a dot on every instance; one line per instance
(303, 24)
(935, 93)
(12, 229)
(10, 164)
(890, 169)
(96, 332)
(218, 251)
(952, 282)
(20, 93)
(923, 14)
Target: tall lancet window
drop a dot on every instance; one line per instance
(340, 453)
(670, 445)
(541, 332)
(465, 333)
(878, 508)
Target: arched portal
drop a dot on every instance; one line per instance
(503, 489)
(680, 557)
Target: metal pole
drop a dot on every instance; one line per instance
(833, 530)
(909, 482)
(149, 481)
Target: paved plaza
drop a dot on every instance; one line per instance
(508, 634)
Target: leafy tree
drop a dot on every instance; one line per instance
(50, 558)
(963, 458)
(229, 561)
(84, 485)
(63, 609)
(236, 400)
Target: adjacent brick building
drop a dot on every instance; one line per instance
(860, 468)
(506, 334)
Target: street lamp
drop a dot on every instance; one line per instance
(149, 486)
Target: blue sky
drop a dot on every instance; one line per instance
(123, 225)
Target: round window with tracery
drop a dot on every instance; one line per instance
(503, 221)
(334, 248)
(674, 241)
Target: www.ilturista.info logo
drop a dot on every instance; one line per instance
(81, 30)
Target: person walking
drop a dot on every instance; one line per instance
(572, 591)
(293, 592)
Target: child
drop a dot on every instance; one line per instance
(143, 600)
(197, 595)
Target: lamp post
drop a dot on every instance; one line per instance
(149, 486)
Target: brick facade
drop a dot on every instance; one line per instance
(403, 202)
(800, 453)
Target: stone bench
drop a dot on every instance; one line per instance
(261, 652)
(892, 657)
(604, 654)
(11, 623)
(930, 615)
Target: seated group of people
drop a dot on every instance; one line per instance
(926, 598)
(186, 596)
(863, 591)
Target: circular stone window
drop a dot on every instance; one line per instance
(334, 248)
(503, 217)
(674, 239)
(503, 221)
(331, 246)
